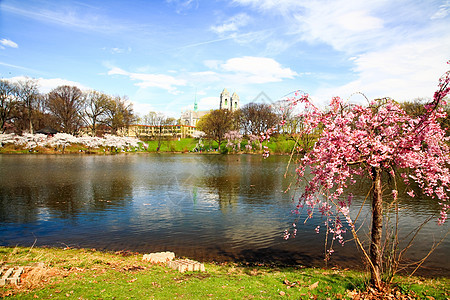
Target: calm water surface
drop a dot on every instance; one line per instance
(206, 207)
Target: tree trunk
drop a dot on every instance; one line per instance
(94, 132)
(31, 123)
(377, 227)
(159, 139)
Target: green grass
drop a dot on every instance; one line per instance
(89, 274)
(280, 145)
(183, 145)
(277, 145)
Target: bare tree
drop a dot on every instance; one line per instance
(8, 101)
(257, 118)
(95, 109)
(161, 121)
(150, 118)
(119, 113)
(285, 111)
(66, 104)
(28, 95)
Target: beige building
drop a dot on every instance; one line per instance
(167, 131)
(191, 117)
(188, 121)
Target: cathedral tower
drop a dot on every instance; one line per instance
(229, 103)
(224, 99)
(234, 105)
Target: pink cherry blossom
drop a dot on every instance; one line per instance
(368, 140)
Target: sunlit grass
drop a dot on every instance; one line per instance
(90, 274)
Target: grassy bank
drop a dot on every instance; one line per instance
(278, 145)
(182, 145)
(89, 274)
(72, 149)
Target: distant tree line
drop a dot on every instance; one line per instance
(66, 109)
(255, 119)
(252, 119)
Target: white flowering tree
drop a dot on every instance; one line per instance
(61, 140)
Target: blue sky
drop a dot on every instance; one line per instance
(164, 54)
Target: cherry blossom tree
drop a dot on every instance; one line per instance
(234, 139)
(380, 142)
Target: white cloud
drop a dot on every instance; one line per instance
(233, 24)
(117, 50)
(359, 21)
(46, 85)
(396, 49)
(183, 5)
(76, 16)
(403, 72)
(212, 64)
(142, 109)
(339, 23)
(241, 71)
(270, 5)
(49, 84)
(258, 69)
(208, 103)
(444, 11)
(347, 27)
(206, 76)
(19, 68)
(147, 80)
(205, 103)
(7, 43)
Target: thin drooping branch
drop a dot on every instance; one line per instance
(429, 253)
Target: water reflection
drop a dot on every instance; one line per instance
(34, 188)
(230, 207)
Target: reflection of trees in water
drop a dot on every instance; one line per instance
(227, 188)
(24, 204)
(115, 192)
(18, 204)
(248, 178)
(218, 173)
(419, 204)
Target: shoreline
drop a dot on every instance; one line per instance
(264, 261)
(88, 273)
(278, 146)
(90, 152)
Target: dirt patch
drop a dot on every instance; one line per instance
(387, 293)
(33, 278)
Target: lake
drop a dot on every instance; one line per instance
(205, 207)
